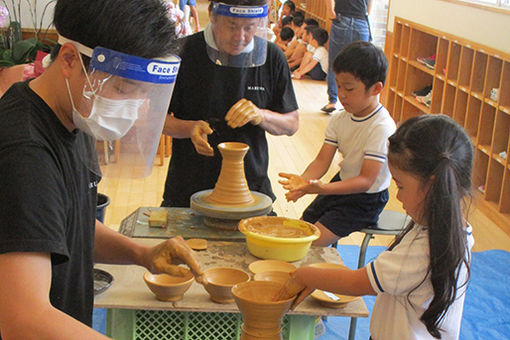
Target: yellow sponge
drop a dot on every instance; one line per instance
(158, 218)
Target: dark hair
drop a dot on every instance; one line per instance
(364, 61)
(435, 149)
(241, 2)
(286, 21)
(319, 34)
(297, 14)
(136, 27)
(311, 22)
(290, 4)
(286, 34)
(298, 19)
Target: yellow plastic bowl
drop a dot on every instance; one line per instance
(278, 238)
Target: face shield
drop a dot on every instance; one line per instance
(236, 36)
(123, 105)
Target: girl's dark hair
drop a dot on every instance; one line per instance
(290, 4)
(435, 149)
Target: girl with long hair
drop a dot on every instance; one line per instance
(420, 281)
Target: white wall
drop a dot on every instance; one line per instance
(26, 17)
(485, 27)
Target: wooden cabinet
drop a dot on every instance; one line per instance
(471, 84)
(316, 9)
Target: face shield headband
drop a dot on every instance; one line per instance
(125, 99)
(237, 35)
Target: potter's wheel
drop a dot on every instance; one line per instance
(225, 216)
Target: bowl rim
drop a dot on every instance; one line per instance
(148, 281)
(248, 276)
(253, 282)
(243, 225)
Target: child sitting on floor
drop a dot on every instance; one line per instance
(315, 61)
(420, 281)
(356, 196)
(286, 35)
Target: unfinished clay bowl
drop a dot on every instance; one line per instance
(274, 276)
(167, 287)
(262, 317)
(261, 266)
(218, 282)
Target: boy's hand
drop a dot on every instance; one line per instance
(242, 113)
(292, 287)
(199, 138)
(297, 186)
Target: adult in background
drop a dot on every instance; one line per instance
(232, 85)
(349, 22)
(49, 235)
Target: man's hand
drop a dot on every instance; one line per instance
(164, 258)
(242, 113)
(199, 138)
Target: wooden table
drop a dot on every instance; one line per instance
(135, 313)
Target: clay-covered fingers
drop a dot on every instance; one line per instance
(294, 195)
(242, 113)
(199, 135)
(173, 251)
(290, 288)
(291, 181)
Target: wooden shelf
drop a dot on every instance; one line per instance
(464, 80)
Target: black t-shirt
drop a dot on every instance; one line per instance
(351, 8)
(48, 197)
(205, 91)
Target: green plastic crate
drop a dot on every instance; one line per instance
(170, 325)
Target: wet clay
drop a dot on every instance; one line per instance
(262, 317)
(279, 230)
(232, 187)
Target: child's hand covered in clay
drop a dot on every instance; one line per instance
(293, 288)
(297, 186)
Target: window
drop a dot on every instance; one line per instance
(494, 3)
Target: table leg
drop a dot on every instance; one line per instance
(301, 327)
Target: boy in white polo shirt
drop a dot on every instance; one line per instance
(315, 61)
(355, 197)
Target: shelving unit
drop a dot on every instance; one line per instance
(463, 78)
(316, 10)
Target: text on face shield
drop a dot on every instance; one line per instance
(162, 69)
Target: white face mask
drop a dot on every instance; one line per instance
(109, 119)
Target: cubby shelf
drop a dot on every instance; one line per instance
(471, 84)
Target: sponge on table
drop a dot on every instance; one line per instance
(158, 218)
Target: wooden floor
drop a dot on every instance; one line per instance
(287, 154)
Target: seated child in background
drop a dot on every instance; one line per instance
(298, 37)
(420, 281)
(299, 53)
(286, 35)
(286, 23)
(358, 193)
(287, 9)
(315, 61)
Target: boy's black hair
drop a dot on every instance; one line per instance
(286, 21)
(286, 34)
(319, 34)
(311, 22)
(290, 4)
(135, 27)
(364, 61)
(297, 19)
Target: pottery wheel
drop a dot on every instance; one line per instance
(217, 215)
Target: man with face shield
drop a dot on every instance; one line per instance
(232, 85)
(111, 76)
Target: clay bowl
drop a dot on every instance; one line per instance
(279, 238)
(259, 312)
(327, 299)
(167, 287)
(218, 282)
(274, 276)
(261, 266)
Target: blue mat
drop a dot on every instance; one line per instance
(486, 308)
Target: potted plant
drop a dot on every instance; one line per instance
(14, 49)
